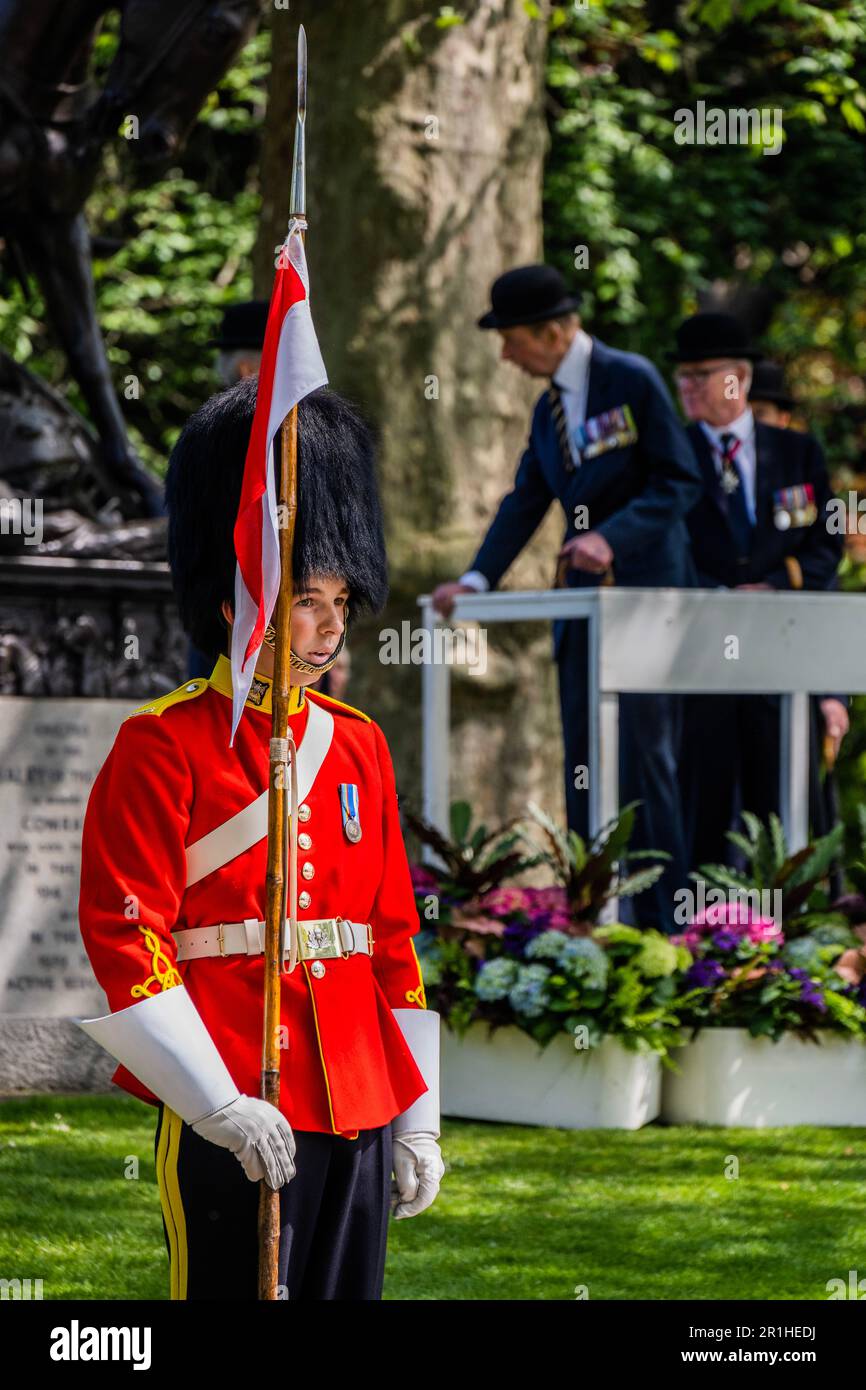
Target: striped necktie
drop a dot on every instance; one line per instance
(735, 492)
(557, 410)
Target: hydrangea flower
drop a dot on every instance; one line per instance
(496, 978)
(802, 953)
(429, 950)
(548, 945)
(656, 957)
(585, 958)
(529, 996)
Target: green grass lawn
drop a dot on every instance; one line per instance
(523, 1213)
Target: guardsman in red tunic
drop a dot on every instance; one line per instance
(172, 902)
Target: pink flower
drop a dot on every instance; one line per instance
(502, 902)
(484, 926)
(735, 916)
(543, 899)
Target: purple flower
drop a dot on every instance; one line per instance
(810, 993)
(517, 936)
(725, 940)
(423, 879)
(704, 974)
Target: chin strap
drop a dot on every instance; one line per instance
(307, 667)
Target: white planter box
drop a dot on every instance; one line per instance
(731, 1078)
(509, 1077)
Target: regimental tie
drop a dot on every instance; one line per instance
(735, 493)
(557, 409)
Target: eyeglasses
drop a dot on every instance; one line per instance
(698, 375)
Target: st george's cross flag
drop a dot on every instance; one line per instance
(291, 368)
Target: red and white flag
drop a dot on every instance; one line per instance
(291, 368)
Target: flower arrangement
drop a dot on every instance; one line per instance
(745, 973)
(536, 958)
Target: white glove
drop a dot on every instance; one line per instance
(258, 1135)
(163, 1041)
(418, 1171)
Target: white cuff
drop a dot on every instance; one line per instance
(476, 580)
(420, 1028)
(164, 1043)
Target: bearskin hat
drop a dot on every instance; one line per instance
(338, 527)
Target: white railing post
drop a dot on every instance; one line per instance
(794, 768)
(435, 727)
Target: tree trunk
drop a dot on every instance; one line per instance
(425, 152)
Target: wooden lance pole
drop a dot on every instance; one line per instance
(282, 856)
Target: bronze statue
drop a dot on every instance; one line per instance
(54, 124)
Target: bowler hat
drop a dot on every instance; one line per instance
(707, 335)
(768, 384)
(243, 325)
(529, 294)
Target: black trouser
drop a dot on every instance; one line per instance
(730, 763)
(333, 1215)
(649, 737)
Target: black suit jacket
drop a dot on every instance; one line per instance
(785, 458)
(636, 496)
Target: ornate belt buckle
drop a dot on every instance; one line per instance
(320, 938)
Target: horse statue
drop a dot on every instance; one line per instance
(54, 125)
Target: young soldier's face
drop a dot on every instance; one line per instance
(318, 619)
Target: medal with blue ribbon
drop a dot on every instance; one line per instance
(349, 807)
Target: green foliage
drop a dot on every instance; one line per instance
(594, 873)
(771, 867)
(184, 254)
(664, 221)
(474, 860)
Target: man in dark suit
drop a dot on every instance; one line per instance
(761, 524)
(605, 442)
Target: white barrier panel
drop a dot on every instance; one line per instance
(675, 641)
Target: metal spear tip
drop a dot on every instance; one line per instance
(302, 73)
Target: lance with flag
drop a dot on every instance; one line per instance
(291, 368)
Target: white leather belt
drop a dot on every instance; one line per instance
(321, 938)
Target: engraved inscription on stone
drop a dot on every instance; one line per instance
(50, 753)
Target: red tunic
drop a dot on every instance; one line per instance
(169, 779)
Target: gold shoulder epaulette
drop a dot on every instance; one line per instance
(350, 709)
(187, 691)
